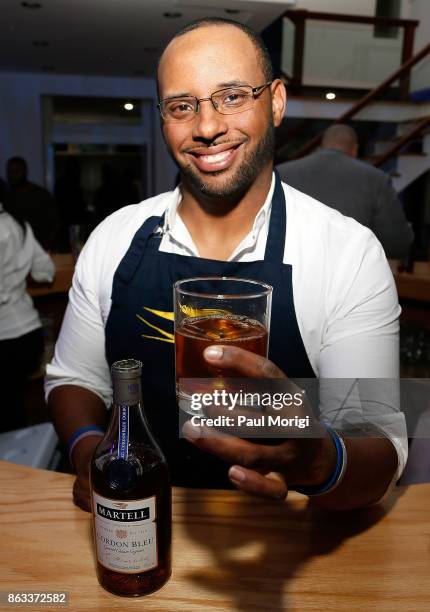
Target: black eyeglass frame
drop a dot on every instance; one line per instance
(254, 91)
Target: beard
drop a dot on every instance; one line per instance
(235, 186)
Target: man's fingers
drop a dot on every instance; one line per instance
(81, 493)
(235, 450)
(270, 486)
(244, 362)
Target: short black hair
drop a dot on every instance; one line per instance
(18, 160)
(257, 41)
(340, 136)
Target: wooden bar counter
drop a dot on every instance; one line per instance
(230, 551)
(64, 266)
(415, 285)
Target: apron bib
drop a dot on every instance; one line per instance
(140, 326)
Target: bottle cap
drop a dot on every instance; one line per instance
(126, 378)
(126, 369)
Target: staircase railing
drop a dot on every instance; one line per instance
(300, 18)
(363, 102)
(401, 142)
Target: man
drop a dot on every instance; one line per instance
(32, 202)
(334, 176)
(331, 316)
(70, 200)
(3, 190)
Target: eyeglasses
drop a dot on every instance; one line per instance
(226, 101)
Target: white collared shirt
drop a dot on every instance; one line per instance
(251, 248)
(344, 293)
(19, 256)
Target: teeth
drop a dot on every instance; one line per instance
(214, 159)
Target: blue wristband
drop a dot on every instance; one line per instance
(338, 471)
(82, 432)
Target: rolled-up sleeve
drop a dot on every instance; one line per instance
(42, 267)
(3, 294)
(361, 343)
(79, 357)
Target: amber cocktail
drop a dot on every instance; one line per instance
(216, 310)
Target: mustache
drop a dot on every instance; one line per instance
(214, 143)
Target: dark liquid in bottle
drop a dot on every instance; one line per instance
(195, 334)
(143, 475)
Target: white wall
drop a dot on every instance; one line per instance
(420, 9)
(343, 54)
(347, 7)
(348, 55)
(21, 126)
(352, 55)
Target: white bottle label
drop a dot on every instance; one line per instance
(125, 533)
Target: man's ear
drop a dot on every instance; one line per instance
(279, 101)
(354, 151)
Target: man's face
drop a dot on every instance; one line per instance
(221, 155)
(16, 173)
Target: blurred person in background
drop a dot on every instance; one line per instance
(130, 186)
(32, 203)
(117, 190)
(334, 176)
(70, 199)
(108, 197)
(21, 334)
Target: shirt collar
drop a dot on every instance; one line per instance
(172, 210)
(262, 218)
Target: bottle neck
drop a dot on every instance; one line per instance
(127, 391)
(128, 419)
(128, 426)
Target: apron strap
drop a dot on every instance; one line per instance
(133, 256)
(275, 245)
(151, 228)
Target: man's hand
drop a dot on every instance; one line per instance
(260, 469)
(82, 454)
(72, 407)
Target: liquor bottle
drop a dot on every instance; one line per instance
(131, 495)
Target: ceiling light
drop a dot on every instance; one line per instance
(172, 15)
(41, 43)
(128, 106)
(330, 95)
(31, 5)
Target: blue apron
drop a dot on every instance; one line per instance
(140, 326)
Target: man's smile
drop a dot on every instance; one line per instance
(214, 158)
